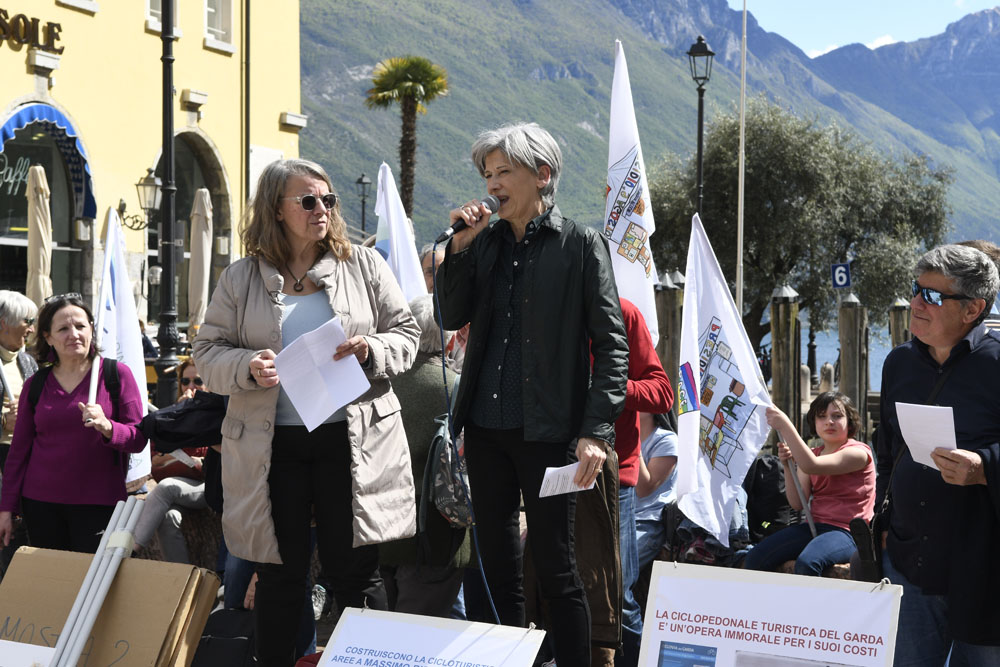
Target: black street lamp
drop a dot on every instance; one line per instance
(700, 57)
(149, 190)
(166, 377)
(363, 185)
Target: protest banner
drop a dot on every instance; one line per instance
(628, 213)
(721, 395)
(706, 616)
(389, 639)
(394, 237)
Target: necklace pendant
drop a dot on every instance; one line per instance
(297, 286)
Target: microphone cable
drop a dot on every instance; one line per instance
(454, 441)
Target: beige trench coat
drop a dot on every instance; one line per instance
(244, 318)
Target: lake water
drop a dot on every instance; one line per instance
(828, 348)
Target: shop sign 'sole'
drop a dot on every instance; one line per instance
(22, 29)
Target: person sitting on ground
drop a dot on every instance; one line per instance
(178, 485)
(839, 478)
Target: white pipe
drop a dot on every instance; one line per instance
(97, 600)
(802, 496)
(87, 581)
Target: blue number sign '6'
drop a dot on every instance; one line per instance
(841, 275)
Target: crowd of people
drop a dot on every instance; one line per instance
(524, 339)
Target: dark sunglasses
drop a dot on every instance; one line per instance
(933, 296)
(308, 202)
(67, 295)
(198, 382)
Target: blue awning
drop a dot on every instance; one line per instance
(68, 140)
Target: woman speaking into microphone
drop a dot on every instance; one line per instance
(540, 295)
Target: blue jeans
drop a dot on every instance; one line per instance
(812, 554)
(923, 637)
(650, 535)
(627, 547)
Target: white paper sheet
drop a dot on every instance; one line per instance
(560, 480)
(24, 655)
(924, 428)
(317, 385)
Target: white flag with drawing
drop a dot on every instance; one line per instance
(721, 395)
(628, 215)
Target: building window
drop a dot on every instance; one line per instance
(154, 14)
(219, 21)
(33, 145)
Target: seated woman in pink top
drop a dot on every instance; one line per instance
(837, 478)
(68, 457)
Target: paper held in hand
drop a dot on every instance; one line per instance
(560, 480)
(317, 385)
(924, 428)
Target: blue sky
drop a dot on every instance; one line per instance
(817, 27)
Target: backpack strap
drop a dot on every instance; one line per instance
(113, 383)
(37, 384)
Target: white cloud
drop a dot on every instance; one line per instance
(881, 41)
(815, 53)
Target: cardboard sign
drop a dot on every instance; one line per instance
(706, 616)
(368, 637)
(154, 613)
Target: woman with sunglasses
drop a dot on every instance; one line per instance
(178, 485)
(68, 458)
(353, 471)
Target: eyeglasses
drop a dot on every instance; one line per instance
(29, 321)
(933, 296)
(198, 382)
(308, 202)
(67, 295)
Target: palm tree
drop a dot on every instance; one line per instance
(409, 81)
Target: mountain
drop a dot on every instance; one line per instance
(552, 62)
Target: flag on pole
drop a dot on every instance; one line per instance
(394, 237)
(721, 395)
(628, 216)
(117, 326)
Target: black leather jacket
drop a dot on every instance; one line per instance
(570, 310)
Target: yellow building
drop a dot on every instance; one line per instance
(81, 95)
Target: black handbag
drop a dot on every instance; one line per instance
(868, 536)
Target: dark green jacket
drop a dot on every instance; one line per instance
(421, 396)
(570, 310)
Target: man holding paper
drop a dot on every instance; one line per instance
(943, 541)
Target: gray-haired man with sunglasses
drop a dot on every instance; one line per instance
(17, 323)
(943, 542)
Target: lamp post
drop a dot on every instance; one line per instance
(148, 189)
(363, 185)
(166, 378)
(700, 57)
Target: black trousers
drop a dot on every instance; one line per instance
(65, 527)
(310, 477)
(502, 467)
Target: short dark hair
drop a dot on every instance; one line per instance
(823, 401)
(43, 351)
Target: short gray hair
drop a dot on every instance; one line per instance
(422, 308)
(972, 271)
(15, 308)
(526, 144)
(428, 249)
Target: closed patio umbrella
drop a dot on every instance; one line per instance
(201, 259)
(38, 286)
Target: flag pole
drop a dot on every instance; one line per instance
(99, 316)
(802, 496)
(742, 166)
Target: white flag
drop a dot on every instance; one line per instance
(628, 216)
(721, 395)
(118, 324)
(394, 237)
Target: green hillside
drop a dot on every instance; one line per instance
(549, 62)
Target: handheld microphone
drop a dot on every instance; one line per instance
(489, 201)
